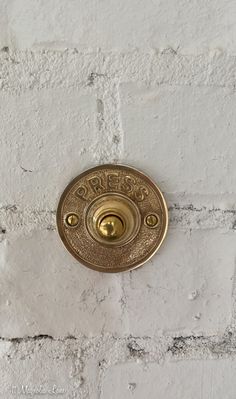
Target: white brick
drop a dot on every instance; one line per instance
(3, 23)
(184, 136)
(45, 291)
(46, 138)
(147, 83)
(188, 26)
(30, 379)
(186, 288)
(38, 366)
(194, 379)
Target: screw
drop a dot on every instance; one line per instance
(152, 220)
(72, 220)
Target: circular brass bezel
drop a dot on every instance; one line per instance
(91, 250)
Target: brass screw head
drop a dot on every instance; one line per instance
(111, 227)
(72, 220)
(152, 220)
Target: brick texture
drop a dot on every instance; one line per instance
(153, 86)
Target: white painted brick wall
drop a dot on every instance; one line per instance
(173, 380)
(150, 84)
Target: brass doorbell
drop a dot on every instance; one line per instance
(112, 218)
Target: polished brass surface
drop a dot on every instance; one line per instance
(121, 208)
(152, 220)
(112, 218)
(72, 220)
(111, 227)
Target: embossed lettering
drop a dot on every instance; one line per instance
(128, 184)
(113, 181)
(96, 184)
(81, 192)
(141, 193)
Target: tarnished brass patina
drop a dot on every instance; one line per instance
(112, 218)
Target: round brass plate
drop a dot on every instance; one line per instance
(112, 218)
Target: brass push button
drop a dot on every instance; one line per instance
(111, 227)
(112, 218)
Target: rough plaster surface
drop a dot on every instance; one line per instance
(152, 86)
(186, 25)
